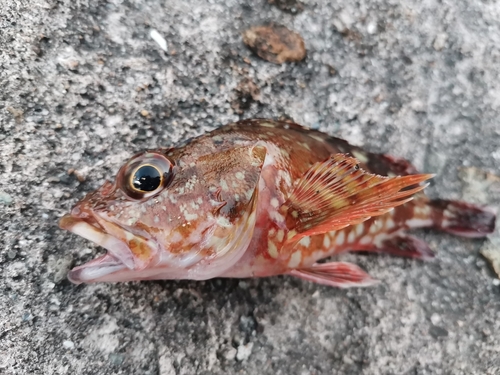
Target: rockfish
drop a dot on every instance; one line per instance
(260, 198)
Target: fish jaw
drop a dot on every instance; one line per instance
(90, 232)
(99, 269)
(120, 255)
(120, 263)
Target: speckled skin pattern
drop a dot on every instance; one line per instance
(221, 214)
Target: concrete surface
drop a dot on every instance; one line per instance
(83, 86)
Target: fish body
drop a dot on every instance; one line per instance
(260, 198)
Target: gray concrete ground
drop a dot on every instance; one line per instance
(83, 86)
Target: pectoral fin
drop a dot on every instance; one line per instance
(337, 274)
(336, 193)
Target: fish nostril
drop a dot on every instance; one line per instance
(80, 212)
(76, 211)
(106, 189)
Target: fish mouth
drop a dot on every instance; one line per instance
(119, 256)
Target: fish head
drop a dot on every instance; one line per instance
(170, 214)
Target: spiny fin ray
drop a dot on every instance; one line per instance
(336, 193)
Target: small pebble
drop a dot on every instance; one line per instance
(17, 113)
(435, 319)
(440, 41)
(339, 25)
(27, 317)
(436, 332)
(237, 340)
(5, 198)
(371, 28)
(347, 360)
(79, 176)
(69, 63)
(289, 6)
(160, 40)
(60, 267)
(491, 251)
(116, 358)
(230, 354)
(275, 43)
(243, 285)
(68, 344)
(244, 351)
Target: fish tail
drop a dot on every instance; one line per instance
(461, 218)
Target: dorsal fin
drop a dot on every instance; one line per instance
(336, 193)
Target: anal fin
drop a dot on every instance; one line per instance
(337, 274)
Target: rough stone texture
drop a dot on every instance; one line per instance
(84, 86)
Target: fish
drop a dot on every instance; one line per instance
(259, 198)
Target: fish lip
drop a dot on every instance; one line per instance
(119, 255)
(93, 270)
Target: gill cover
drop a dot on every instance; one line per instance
(238, 193)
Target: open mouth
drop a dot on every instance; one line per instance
(119, 256)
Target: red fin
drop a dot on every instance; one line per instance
(462, 219)
(407, 246)
(337, 193)
(338, 274)
(402, 245)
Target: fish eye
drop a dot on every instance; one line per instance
(145, 175)
(146, 178)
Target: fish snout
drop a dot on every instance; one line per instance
(90, 230)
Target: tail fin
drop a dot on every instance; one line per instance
(462, 219)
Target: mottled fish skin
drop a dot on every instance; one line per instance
(221, 214)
